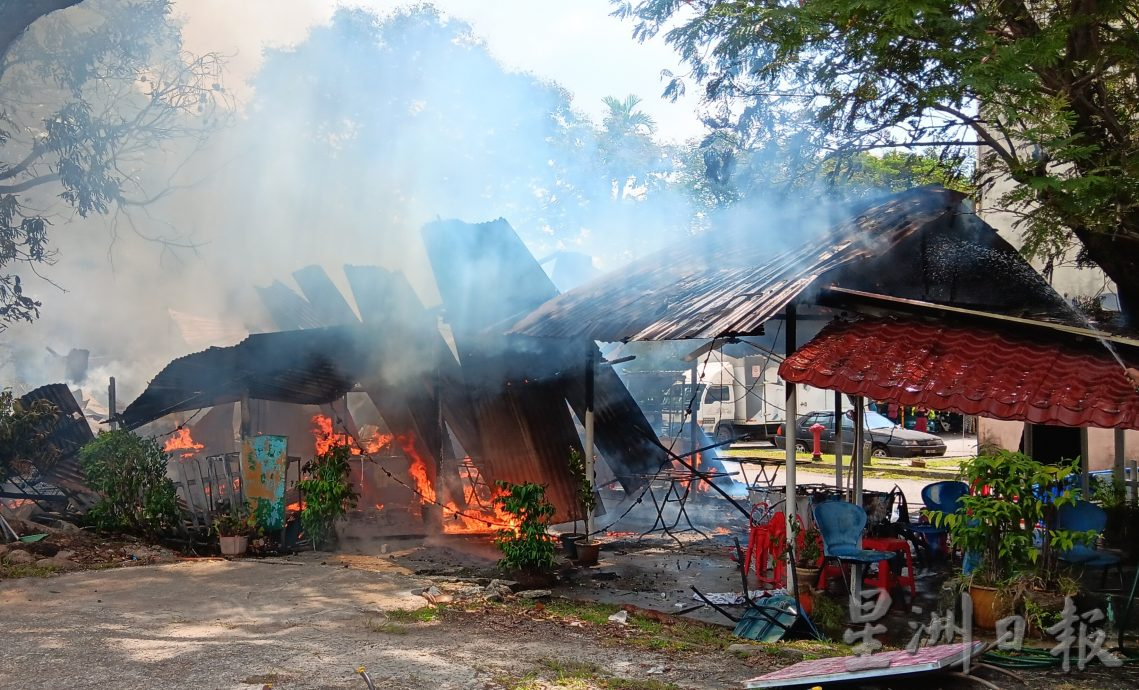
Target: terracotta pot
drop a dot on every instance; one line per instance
(989, 606)
(806, 600)
(807, 578)
(587, 551)
(233, 546)
(568, 544)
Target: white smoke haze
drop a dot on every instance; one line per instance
(344, 143)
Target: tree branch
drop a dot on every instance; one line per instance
(28, 184)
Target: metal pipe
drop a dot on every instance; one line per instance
(1118, 470)
(112, 403)
(693, 421)
(590, 370)
(857, 465)
(838, 440)
(791, 408)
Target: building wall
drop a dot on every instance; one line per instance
(1101, 442)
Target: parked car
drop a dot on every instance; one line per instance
(887, 440)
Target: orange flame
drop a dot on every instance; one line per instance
(481, 516)
(181, 440)
(325, 439)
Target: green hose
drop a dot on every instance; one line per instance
(1032, 658)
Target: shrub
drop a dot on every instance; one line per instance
(129, 474)
(996, 524)
(528, 548)
(23, 434)
(328, 496)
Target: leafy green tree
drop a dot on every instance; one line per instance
(1048, 91)
(23, 431)
(328, 494)
(91, 98)
(456, 135)
(129, 474)
(527, 546)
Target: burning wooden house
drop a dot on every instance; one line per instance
(438, 408)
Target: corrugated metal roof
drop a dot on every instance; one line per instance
(67, 434)
(486, 276)
(309, 367)
(972, 368)
(726, 283)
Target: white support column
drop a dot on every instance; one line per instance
(792, 507)
(858, 462)
(838, 440)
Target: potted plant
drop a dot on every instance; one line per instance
(577, 472)
(527, 549)
(1006, 528)
(233, 530)
(810, 558)
(587, 548)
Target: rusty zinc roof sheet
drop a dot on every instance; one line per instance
(1041, 378)
(729, 283)
(68, 432)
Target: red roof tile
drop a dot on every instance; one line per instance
(973, 370)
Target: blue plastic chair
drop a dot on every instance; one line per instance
(939, 497)
(1083, 516)
(841, 525)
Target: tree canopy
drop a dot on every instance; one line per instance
(89, 98)
(1047, 91)
(413, 108)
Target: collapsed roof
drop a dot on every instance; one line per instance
(510, 401)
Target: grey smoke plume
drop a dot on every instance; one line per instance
(349, 141)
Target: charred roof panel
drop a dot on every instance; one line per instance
(289, 310)
(309, 367)
(727, 283)
(67, 433)
(322, 294)
(486, 276)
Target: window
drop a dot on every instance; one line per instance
(718, 394)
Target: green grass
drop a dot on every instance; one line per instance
(586, 611)
(10, 571)
(572, 675)
(425, 614)
(385, 627)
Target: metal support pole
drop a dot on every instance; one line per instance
(1084, 460)
(1026, 439)
(858, 462)
(694, 420)
(791, 407)
(1133, 482)
(112, 403)
(858, 459)
(590, 370)
(838, 440)
(1118, 470)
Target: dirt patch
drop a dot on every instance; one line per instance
(310, 621)
(218, 624)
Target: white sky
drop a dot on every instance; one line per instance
(573, 42)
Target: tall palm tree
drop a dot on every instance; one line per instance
(624, 117)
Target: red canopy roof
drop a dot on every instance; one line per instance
(1041, 378)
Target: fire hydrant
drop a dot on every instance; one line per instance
(816, 430)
